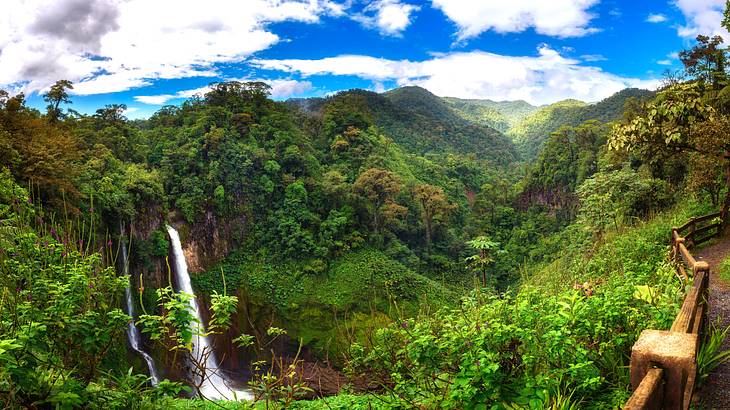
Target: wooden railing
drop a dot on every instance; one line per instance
(663, 363)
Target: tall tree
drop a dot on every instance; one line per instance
(679, 121)
(706, 61)
(56, 95)
(112, 113)
(378, 188)
(434, 207)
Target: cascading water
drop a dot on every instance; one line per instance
(133, 335)
(214, 386)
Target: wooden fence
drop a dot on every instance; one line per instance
(663, 363)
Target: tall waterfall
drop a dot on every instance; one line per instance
(215, 385)
(133, 335)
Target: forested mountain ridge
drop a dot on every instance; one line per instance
(421, 123)
(530, 134)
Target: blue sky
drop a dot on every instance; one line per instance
(146, 54)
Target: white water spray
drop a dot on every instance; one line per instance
(133, 335)
(215, 385)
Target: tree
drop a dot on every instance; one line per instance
(611, 198)
(706, 61)
(480, 261)
(434, 207)
(678, 121)
(378, 188)
(112, 113)
(55, 96)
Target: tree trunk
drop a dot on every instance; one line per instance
(428, 234)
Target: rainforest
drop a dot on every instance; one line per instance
(359, 250)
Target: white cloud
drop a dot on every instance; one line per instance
(656, 18)
(160, 99)
(593, 57)
(559, 18)
(287, 88)
(390, 17)
(280, 88)
(664, 62)
(114, 45)
(541, 79)
(702, 17)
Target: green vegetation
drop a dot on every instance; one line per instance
(500, 115)
(530, 134)
(724, 270)
(401, 239)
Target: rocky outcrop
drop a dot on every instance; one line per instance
(209, 242)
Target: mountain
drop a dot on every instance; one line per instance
(531, 133)
(420, 122)
(500, 115)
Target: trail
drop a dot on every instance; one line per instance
(717, 388)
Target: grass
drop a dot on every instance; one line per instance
(630, 248)
(339, 402)
(724, 270)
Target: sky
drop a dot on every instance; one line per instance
(150, 53)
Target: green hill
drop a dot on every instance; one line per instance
(530, 134)
(500, 115)
(420, 122)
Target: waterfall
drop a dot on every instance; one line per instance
(215, 385)
(133, 335)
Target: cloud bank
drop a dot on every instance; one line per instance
(541, 79)
(108, 46)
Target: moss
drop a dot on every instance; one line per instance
(358, 293)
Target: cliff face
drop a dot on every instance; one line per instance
(209, 240)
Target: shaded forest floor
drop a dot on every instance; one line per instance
(716, 392)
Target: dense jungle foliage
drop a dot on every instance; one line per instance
(434, 253)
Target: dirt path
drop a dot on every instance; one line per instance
(717, 388)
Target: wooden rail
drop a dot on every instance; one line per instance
(663, 363)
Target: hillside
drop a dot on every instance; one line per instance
(500, 115)
(421, 123)
(531, 133)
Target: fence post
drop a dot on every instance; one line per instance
(677, 241)
(672, 351)
(703, 308)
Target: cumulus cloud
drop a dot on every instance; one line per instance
(702, 17)
(656, 18)
(559, 18)
(541, 79)
(114, 45)
(280, 88)
(390, 17)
